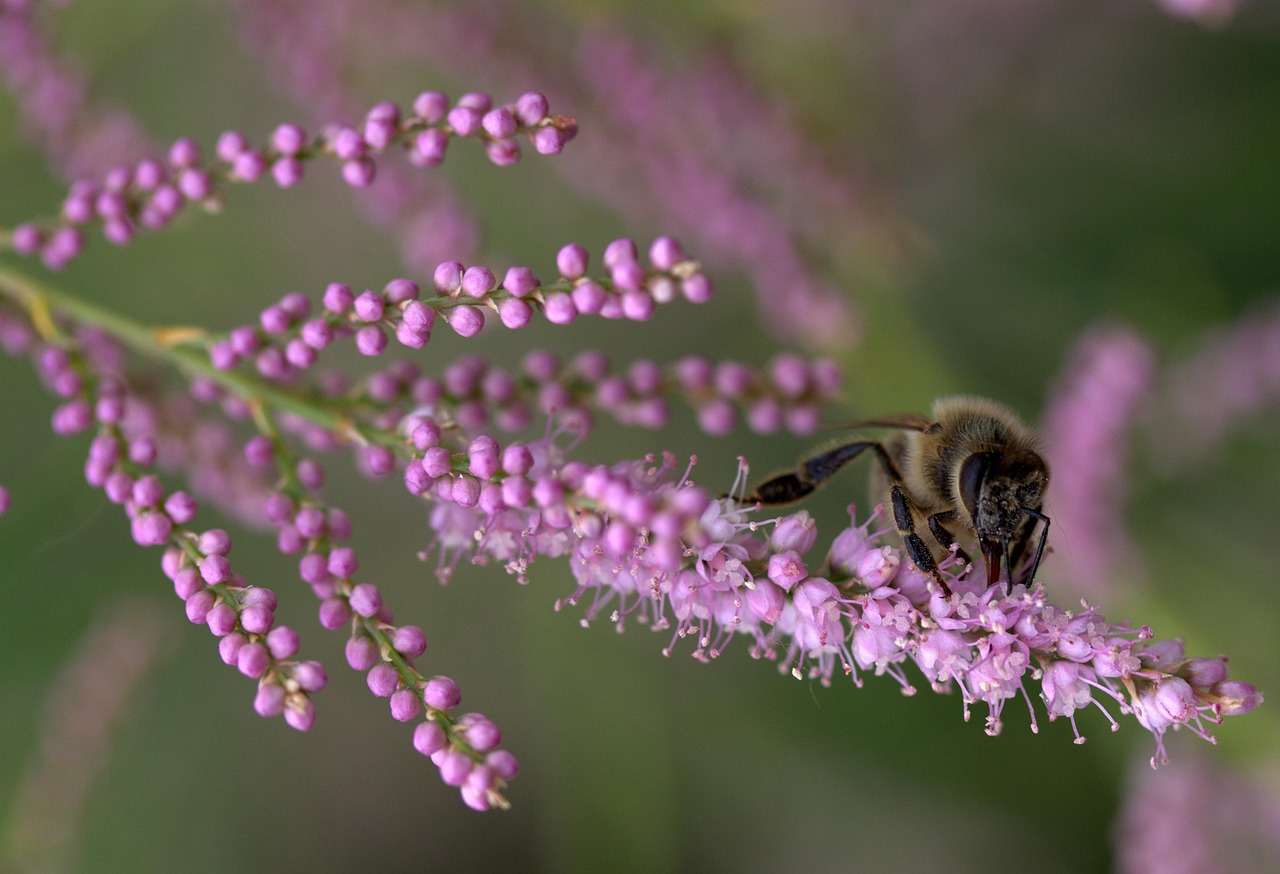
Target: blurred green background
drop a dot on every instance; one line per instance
(1029, 170)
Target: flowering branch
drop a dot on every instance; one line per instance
(74, 344)
(643, 542)
(151, 193)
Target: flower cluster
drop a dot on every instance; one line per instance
(1203, 815)
(288, 338)
(1231, 376)
(867, 609)
(79, 368)
(1210, 12)
(644, 542)
(665, 145)
(1087, 430)
(95, 690)
(77, 136)
(150, 193)
(83, 368)
(463, 746)
(513, 503)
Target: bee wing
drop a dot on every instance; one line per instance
(901, 421)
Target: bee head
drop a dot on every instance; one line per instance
(1002, 493)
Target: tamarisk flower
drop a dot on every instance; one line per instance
(77, 136)
(463, 746)
(1231, 376)
(88, 699)
(151, 193)
(305, 57)
(1087, 429)
(80, 367)
(1204, 11)
(644, 542)
(289, 338)
(471, 395)
(761, 211)
(1201, 816)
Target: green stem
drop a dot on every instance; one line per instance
(38, 300)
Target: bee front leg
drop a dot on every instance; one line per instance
(943, 536)
(1022, 547)
(916, 547)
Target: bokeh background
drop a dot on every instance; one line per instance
(951, 193)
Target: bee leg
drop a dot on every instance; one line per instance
(785, 488)
(943, 536)
(916, 547)
(789, 487)
(1044, 538)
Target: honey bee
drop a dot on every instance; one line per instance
(971, 472)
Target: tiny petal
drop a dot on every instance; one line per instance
(467, 321)
(299, 713)
(454, 767)
(409, 641)
(429, 738)
(362, 652)
(229, 647)
(531, 108)
(382, 680)
(405, 705)
(282, 642)
(442, 693)
(571, 261)
(334, 613)
(253, 660)
(269, 701)
(311, 676)
(366, 600)
(786, 569)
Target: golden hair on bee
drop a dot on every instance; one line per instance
(971, 472)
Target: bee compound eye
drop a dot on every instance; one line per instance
(973, 473)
